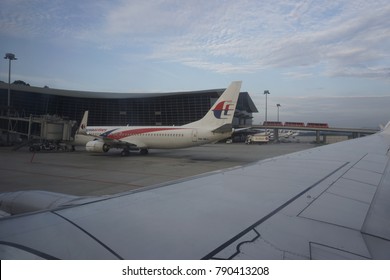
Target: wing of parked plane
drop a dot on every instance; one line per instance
(331, 202)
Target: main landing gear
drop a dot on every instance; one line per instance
(126, 152)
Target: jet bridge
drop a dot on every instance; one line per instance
(46, 127)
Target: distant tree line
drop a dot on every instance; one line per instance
(21, 83)
(18, 82)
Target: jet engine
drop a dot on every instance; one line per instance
(14, 203)
(97, 147)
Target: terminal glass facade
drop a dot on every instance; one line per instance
(150, 109)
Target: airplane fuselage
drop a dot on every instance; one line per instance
(161, 137)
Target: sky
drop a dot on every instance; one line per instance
(323, 61)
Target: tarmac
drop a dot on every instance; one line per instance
(85, 174)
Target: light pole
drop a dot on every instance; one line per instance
(9, 56)
(278, 105)
(266, 92)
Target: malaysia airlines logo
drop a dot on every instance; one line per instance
(222, 109)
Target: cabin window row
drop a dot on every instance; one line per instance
(160, 134)
(165, 134)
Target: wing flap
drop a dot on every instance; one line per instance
(323, 252)
(377, 222)
(346, 202)
(337, 210)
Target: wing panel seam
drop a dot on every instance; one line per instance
(341, 176)
(29, 250)
(269, 215)
(90, 235)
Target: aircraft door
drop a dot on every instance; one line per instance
(194, 135)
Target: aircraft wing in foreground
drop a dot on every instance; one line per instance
(331, 202)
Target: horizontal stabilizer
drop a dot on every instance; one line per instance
(224, 128)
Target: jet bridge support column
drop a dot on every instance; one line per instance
(356, 135)
(276, 135)
(30, 119)
(317, 136)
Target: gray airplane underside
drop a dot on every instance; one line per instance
(331, 202)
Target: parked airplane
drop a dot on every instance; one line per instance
(288, 133)
(216, 125)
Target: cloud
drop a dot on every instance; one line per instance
(361, 71)
(148, 18)
(347, 38)
(45, 19)
(297, 74)
(337, 36)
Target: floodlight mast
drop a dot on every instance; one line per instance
(9, 56)
(266, 92)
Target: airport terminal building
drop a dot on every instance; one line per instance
(109, 108)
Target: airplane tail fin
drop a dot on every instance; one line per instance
(81, 138)
(386, 128)
(220, 117)
(83, 125)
